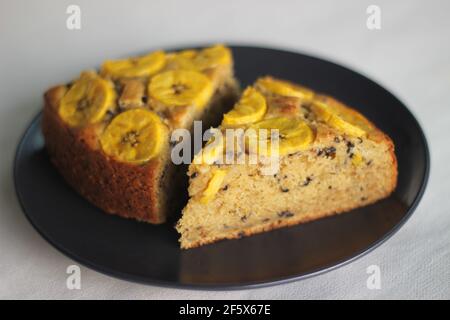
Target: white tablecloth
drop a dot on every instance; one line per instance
(409, 55)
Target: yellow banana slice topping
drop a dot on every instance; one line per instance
(294, 134)
(251, 108)
(144, 66)
(182, 60)
(87, 100)
(181, 88)
(134, 136)
(200, 60)
(284, 88)
(212, 57)
(341, 118)
(213, 186)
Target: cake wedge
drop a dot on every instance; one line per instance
(330, 159)
(108, 131)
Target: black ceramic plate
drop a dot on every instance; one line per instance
(150, 254)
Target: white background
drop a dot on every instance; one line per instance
(410, 56)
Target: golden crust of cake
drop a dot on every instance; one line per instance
(348, 164)
(132, 185)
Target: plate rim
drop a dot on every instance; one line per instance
(246, 285)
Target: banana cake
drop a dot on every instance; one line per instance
(330, 159)
(108, 132)
(109, 135)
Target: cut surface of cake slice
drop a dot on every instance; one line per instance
(108, 132)
(330, 159)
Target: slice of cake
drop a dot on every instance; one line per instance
(329, 159)
(108, 132)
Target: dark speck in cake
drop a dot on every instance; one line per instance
(330, 152)
(350, 146)
(285, 214)
(307, 181)
(284, 189)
